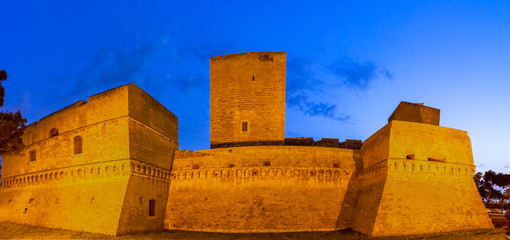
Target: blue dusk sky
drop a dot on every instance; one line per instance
(349, 63)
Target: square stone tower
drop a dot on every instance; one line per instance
(415, 112)
(100, 166)
(248, 99)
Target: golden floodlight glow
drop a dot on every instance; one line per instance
(111, 165)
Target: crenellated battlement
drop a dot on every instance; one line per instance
(189, 154)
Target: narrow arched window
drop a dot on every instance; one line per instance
(53, 132)
(77, 144)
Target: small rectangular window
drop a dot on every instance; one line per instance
(267, 163)
(32, 155)
(410, 156)
(152, 208)
(77, 144)
(244, 126)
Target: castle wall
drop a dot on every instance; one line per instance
(297, 156)
(58, 151)
(376, 148)
(153, 133)
(421, 142)
(428, 197)
(427, 141)
(303, 189)
(248, 87)
(77, 198)
(368, 189)
(146, 110)
(125, 159)
(135, 208)
(153, 129)
(410, 177)
(102, 124)
(149, 146)
(422, 184)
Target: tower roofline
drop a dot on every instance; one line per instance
(242, 53)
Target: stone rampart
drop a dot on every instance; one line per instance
(426, 142)
(100, 142)
(101, 166)
(50, 198)
(417, 178)
(102, 169)
(295, 156)
(238, 190)
(110, 165)
(426, 197)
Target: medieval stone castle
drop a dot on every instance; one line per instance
(112, 165)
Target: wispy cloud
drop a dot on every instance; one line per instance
(358, 74)
(305, 77)
(302, 102)
(109, 67)
(162, 62)
(299, 76)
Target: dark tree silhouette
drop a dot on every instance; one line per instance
(11, 124)
(3, 77)
(494, 188)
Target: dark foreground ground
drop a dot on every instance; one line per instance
(11, 230)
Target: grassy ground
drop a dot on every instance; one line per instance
(11, 230)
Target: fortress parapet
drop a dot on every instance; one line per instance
(324, 142)
(111, 165)
(417, 178)
(264, 188)
(96, 166)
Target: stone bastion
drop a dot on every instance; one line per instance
(112, 165)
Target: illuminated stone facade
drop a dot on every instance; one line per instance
(248, 99)
(93, 166)
(111, 165)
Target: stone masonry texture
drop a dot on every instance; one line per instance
(106, 187)
(248, 87)
(112, 165)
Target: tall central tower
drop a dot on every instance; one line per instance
(248, 99)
